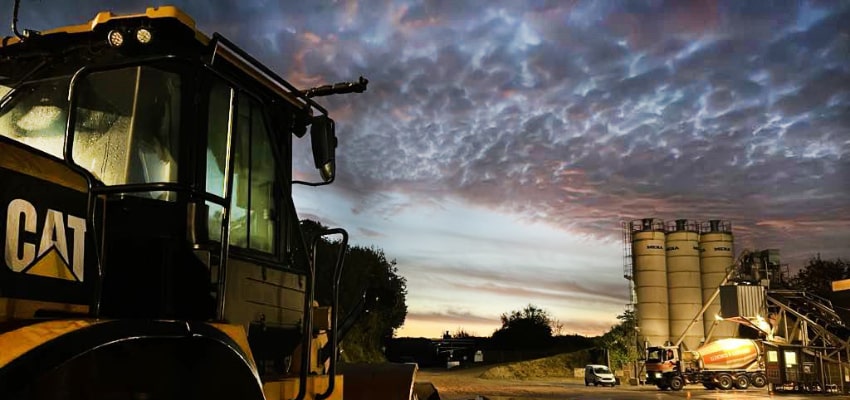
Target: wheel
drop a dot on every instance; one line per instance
(742, 381)
(758, 380)
(676, 383)
(586, 383)
(724, 381)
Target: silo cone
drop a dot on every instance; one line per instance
(716, 258)
(684, 287)
(650, 276)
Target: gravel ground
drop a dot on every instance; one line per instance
(463, 384)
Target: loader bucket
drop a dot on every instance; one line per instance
(379, 381)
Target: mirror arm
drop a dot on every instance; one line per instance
(337, 88)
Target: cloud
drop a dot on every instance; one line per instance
(450, 317)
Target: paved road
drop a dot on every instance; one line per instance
(572, 390)
(633, 393)
(467, 385)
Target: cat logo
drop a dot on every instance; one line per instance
(43, 249)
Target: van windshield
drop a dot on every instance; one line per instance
(601, 370)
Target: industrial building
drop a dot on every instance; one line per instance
(688, 289)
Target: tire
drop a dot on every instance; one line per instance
(677, 383)
(758, 380)
(742, 382)
(725, 381)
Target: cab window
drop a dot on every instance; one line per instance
(218, 127)
(35, 114)
(254, 212)
(127, 126)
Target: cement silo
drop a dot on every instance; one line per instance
(716, 258)
(684, 286)
(650, 278)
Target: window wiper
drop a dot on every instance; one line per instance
(24, 79)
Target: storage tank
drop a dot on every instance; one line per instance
(716, 258)
(684, 286)
(650, 277)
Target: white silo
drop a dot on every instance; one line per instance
(650, 278)
(716, 259)
(684, 287)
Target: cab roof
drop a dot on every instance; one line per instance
(107, 17)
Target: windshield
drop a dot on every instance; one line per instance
(35, 114)
(127, 122)
(655, 354)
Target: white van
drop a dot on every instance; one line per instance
(598, 375)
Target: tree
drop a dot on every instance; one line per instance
(619, 342)
(817, 276)
(461, 333)
(528, 328)
(371, 293)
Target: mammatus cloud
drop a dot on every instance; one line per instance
(590, 114)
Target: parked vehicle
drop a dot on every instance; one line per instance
(596, 375)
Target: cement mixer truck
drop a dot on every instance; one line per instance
(722, 364)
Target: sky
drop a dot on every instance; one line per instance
(500, 144)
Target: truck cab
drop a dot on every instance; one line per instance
(662, 365)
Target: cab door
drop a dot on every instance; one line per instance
(262, 290)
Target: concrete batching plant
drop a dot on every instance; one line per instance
(705, 317)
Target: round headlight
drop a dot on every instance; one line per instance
(144, 36)
(115, 38)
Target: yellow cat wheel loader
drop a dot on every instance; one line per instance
(150, 245)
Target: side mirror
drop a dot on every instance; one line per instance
(323, 137)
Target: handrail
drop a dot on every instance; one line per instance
(340, 262)
(308, 311)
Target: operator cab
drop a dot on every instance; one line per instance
(176, 150)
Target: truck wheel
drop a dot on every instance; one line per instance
(676, 383)
(724, 381)
(742, 381)
(758, 380)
